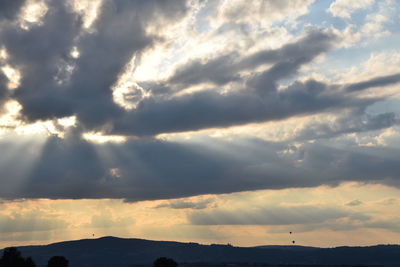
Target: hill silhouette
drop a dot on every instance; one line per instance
(122, 252)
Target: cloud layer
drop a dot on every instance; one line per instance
(68, 69)
(138, 170)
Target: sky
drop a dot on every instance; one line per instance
(209, 121)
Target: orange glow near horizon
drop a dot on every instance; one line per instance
(60, 220)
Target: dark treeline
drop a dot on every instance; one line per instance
(208, 264)
(12, 258)
(203, 264)
(124, 252)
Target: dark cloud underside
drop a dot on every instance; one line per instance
(162, 170)
(10, 8)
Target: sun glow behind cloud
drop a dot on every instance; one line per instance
(89, 9)
(100, 138)
(32, 13)
(13, 75)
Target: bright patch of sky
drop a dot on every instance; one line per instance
(362, 43)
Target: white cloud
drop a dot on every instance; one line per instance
(378, 64)
(376, 22)
(345, 8)
(262, 12)
(32, 13)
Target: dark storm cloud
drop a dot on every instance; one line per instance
(120, 33)
(38, 54)
(208, 109)
(258, 101)
(226, 68)
(355, 122)
(151, 169)
(3, 89)
(292, 58)
(362, 164)
(267, 216)
(54, 84)
(151, 10)
(212, 109)
(220, 71)
(9, 8)
(65, 166)
(375, 82)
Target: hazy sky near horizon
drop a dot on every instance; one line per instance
(211, 121)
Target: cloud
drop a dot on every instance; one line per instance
(267, 216)
(299, 218)
(107, 221)
(185, 233)
(3, 89)
(391, 224)
(263, 12)
(68, 69)
(38, 236)
(184, 204)
(344, 9)
(54, 83)
(354, 122)
(224, 69)
(81, 93)
(389, 201)
(258, 101)
(29, 222)
(209, 109)
(10, 8)
(154, 169)
(67, 85)
(375, 82)
(355, 202)
(219, 71)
